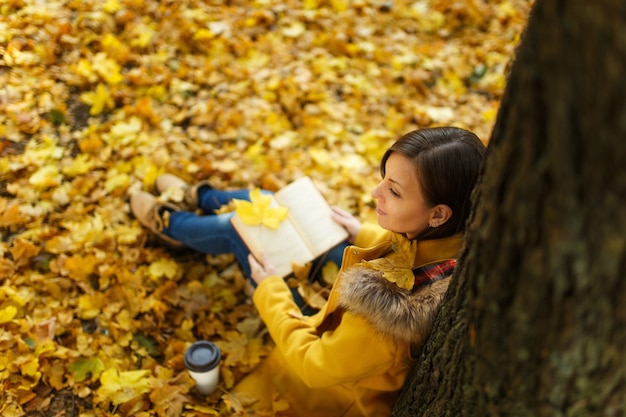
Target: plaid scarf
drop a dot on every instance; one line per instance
(428, 274)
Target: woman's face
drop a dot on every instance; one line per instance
(401, 206)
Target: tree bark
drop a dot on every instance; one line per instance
(534, 323)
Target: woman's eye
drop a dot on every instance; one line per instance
(393, 192)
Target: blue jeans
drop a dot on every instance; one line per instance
(210, 233)
(213, 233)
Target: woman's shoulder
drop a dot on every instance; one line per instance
(402, 314)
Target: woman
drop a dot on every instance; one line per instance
(351, 358)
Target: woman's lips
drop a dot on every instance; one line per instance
(379, 211)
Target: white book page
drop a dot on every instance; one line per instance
(283, 245)
(310, 213)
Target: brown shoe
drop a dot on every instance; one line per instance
(154, 215)
(166, 181)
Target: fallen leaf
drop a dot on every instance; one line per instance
(119, 387)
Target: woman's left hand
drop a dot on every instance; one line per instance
(260, 271)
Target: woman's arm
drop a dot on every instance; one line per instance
(351, 352)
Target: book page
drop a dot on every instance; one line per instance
(310, 213)
(283, 245)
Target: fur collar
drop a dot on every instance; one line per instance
(393, 311)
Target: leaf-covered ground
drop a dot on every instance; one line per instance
(97, 98)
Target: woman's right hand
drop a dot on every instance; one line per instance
(348, 221)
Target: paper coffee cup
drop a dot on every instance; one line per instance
(202, 360)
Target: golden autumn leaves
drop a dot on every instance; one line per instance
(98, 98)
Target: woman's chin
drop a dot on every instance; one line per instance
(382, 223)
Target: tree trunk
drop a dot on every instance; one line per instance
(534, 323)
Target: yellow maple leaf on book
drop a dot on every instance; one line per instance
(258, 210)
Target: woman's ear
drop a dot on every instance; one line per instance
(439, 214)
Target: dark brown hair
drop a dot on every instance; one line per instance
(448, 161)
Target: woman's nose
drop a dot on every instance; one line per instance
(376, 191)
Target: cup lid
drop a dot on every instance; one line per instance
(202, 356)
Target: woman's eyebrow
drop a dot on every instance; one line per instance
(394, 182)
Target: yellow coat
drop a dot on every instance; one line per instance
(339, 362)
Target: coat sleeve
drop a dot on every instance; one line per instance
(351, 352)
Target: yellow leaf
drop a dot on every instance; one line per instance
(111, 6)
(203, 35)
(185, 330)
(255, 153)
(402, 277)
(311, 295)
(321, 156)
(203, 409)
(23, 250)
(98, 100)
(47, 346)
(88, 231)
(45, 151)
(293, 29)
(117, 181)
(30, 367)
(9, 293)
(143, 35)
(150, 175)
(237, 402)
(7, 314)
(120, 387)
(403, 251)
(60, 244)
(10, 214)
(85, 69)
(80, 165)
(80, 267)
(339, 5)
(89, 306)
(330, 272)
(258, 210)
(236, 345)
(47, 176)
(427, 18)
(163, 268)
(489, 115)
(397, 267)
(158, 92)
(126, 235)
(107, 68)
(374, 143)
(124, 132)
(123, 320)
(301, 271)
(114, 47)
(90, 144)
(451, 82)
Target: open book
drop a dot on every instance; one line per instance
(306, 233)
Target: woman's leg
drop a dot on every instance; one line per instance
(210, 234)
(210, 199)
